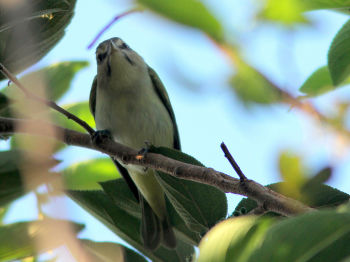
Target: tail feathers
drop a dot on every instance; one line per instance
(153, 230)
(169, 239)
(150, 227)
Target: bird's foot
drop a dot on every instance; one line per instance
(100, 136)
(141, 154)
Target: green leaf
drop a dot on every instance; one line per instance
(339, 55)
(19, 240)
(126, 224)
(327, 238)
(233, 239)
(326, 4)
(312, 194)
(56, 79)
(81, 110)
(293, 172)
(320, 82)
(30, 29)
(188, 12)
(87, 175)
(11, 164)
(287, 12)
(4, 105)
(199, 205)
(252, 87)
(53, 80)
(314, 236)
(121, 195)
(110, 252)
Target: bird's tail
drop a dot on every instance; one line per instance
(155, 231)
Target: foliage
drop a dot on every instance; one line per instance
(197, 211)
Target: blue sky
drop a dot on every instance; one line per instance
(196, 75)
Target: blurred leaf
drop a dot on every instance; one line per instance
(233, 239)
(4, 105)
(339, 55)
(87, 175)
(314, 236)
(287, 12)
(110, 252)
(326, 4)
(327, 238)
(3, 211)
(199, 205)
(311, 194)
(252, 87)
(81, 110)
(49, 82)
(11, 186)
(124, 224)
(292, 172)
(188, 12)
(18, 240)
(320, 82)
(321, 177)
(29, 30)
(56, 78)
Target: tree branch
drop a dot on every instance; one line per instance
(264, 196)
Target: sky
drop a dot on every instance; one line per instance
(196, 75)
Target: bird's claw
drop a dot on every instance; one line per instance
(100, 136)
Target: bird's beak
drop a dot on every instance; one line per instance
(112, 46)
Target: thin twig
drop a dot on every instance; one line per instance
(232, 161)
(116, 18)
(49, 103)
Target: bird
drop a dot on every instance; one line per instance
(129, 102)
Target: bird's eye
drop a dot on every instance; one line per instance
(124, 46)
(101, 57)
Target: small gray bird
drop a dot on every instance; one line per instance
(129, 101)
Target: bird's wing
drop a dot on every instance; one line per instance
(92, 100)
(163, 95)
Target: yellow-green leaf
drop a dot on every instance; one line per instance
(87, 175)
(188, 12)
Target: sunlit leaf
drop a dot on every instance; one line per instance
(314, 236)
(81, 110)
(188, 12)
(29, 30)
(320, 82)
(327, 238)
(87, 175)
(233, 239)
(293, 172)
(287, 12)
(18, 240)
(326, 4)
(339, 55)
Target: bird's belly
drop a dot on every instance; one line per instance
(134, 121)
